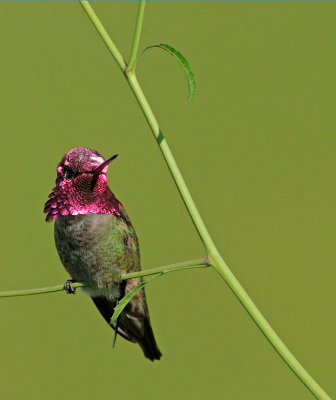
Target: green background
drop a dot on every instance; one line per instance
(257, 149)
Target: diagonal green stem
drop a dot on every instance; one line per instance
(104, 35)
(170, 161)
(214, 256)
(137, 35)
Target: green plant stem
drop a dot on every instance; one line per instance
(214, 256)
(104, 35)
(43, 290)
(199, 263)
(137, 35)
(170, 161)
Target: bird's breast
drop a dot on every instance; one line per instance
(96, 248)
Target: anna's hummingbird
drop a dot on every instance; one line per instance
(97, 243)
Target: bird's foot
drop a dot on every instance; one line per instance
(68, 286)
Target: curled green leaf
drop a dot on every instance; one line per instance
(182, 61)
(125, 300)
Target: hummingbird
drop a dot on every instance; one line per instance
(97, 243)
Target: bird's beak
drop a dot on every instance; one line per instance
(100, 167)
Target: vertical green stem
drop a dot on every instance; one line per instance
(215, 258)
(137, 35)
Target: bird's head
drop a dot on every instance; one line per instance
(81, 184)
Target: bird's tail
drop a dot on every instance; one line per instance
(133, 323)
(148, 344)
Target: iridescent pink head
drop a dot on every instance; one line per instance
(81, 186)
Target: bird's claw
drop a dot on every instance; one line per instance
(68, 287)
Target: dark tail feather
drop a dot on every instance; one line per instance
(135, 328)
(148, 344)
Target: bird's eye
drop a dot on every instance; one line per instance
(69, 173)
